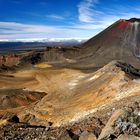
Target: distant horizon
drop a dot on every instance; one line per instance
(25, 19)
(42, 39)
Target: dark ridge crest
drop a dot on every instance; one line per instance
(134, 20)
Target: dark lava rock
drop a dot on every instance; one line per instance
(14, 119)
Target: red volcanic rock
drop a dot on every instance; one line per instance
(122, 24)
(2, 60)
(9, 60)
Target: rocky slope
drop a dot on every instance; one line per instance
(122, 125)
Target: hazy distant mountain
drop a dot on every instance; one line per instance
(16, 44)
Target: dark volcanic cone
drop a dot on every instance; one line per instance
(120, 41)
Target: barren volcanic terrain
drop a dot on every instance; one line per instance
(70, 93)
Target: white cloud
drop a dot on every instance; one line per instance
(92, 19)
(57, 17)
(103, 17)
(14, 27)
(13, 30)
(86, 12)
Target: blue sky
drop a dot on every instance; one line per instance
(21, 19)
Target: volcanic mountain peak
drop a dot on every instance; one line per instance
(134, 20)
(131, 20)
(123, 23)
(120, 41)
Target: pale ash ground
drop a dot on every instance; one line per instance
(70, 94)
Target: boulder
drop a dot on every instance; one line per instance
(64, 136)
(128, 137)
(87, 136)
(108, 130)
(67, 135)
